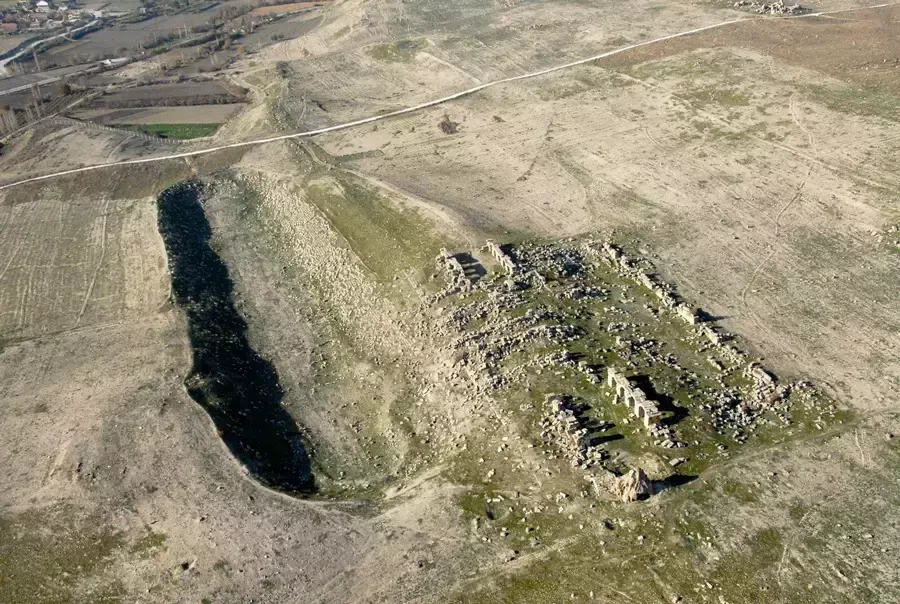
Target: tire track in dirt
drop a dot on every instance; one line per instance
(812, 145)
(90, 289)
(797, 195)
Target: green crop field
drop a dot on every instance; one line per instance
(176, 131)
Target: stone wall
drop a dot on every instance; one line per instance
(633, 397)
(502, 258)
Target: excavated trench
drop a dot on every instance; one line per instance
(238, 388)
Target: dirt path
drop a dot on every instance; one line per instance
(427, 104)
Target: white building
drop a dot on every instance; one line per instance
(42, 6)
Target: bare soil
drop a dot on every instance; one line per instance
(867, 55)
(194, 114)
(185, 93)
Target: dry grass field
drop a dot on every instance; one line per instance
(69, 265)
(754, 164)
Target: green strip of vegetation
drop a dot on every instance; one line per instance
(176, 131)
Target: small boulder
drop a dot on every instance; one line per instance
(632, 486)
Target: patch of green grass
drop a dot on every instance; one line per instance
(748, 567)
(740, 491)
(46, 555)
(146, 545)
(563, 89)
(722, 67)
(713, 132)
(716, 95)
(174, 131)
(797, 512)
(855, 101)
(122, 183)
(397, 52)
(619, 41)
(390, 239)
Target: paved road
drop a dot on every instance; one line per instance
(419, 107)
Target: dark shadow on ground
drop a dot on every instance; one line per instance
(474, 270)
(705, 317)
(672, 413)
(238, 389)
(672, 482)
(604, 438)
(596, 428)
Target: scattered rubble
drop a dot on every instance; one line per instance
(775, 8)
(561, 427)
(456, 275)
(763, 384)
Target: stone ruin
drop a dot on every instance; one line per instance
(487, 331)
(502, 258)
(633, 397)
(458, 279)
(687, 314)
(627, 267)
(562, 427)
(629, 487)
(764, 388)
(711, 334)
(632, 486)
(775, 8)
(668, 297)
